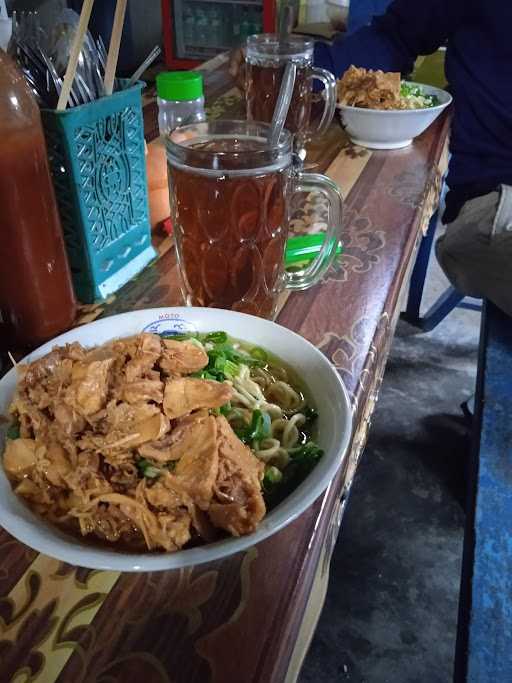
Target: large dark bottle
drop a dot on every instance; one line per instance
(36, 293)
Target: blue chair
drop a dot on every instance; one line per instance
(445, 303)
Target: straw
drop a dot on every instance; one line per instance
(78, 42)
(283, 104)
(287, 17)
(113, 48)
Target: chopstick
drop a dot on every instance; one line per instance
(78, 42)
(113, 48)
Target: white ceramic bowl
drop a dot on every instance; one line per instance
(391, 129)
(317, 373)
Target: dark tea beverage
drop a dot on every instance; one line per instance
(266, 58)
(231, 231)
(230, 192)
(263, 83)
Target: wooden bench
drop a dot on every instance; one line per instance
(484, 642)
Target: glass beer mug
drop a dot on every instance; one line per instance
(230, 195)
(266, 58)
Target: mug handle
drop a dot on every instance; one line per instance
(315, 182)
(329, 82)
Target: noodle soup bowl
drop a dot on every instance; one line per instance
(318, 377)
(391, 128)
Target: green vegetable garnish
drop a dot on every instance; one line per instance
(225, 409)
(230, 353)
(308, 453)
(408, 90)
(231, 369)
(303, 460)
(259, 354)
(181, 337)
(272, 477)
(14, 431)
(211, 337)
(258, 430)
(147, 469)
(260, 426)
(209, 374)
(225, 367)
(215, 337)
(223, 359)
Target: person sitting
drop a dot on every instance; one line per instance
(476, 249)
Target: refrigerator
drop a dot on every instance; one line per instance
(196, 30)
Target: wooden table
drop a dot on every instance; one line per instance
(247, 619)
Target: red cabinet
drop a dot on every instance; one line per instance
(196, 30)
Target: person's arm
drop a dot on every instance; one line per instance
(394, 40)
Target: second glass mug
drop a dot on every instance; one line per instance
(230, 195)
(266, 58)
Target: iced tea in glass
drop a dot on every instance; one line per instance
(266, 57)
(230, 195)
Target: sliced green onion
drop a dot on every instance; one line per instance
(219, 361)
(259, 354)
(180, 337)
(266, 426)
(259, 428)
(272, 475)
(147, 469)
(225, 409)
(230, 353)
(215, 337)
(256, 431)
(231, 369)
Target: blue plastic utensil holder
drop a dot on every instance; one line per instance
(97, 159)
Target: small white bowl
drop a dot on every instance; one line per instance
(317, 373)
(391, 128)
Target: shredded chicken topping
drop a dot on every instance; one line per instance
(369, 89)
(119, 443)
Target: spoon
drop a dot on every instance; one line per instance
(155, 52)
(102, 52)
(57, 81)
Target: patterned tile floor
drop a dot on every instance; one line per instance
(391, 608)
